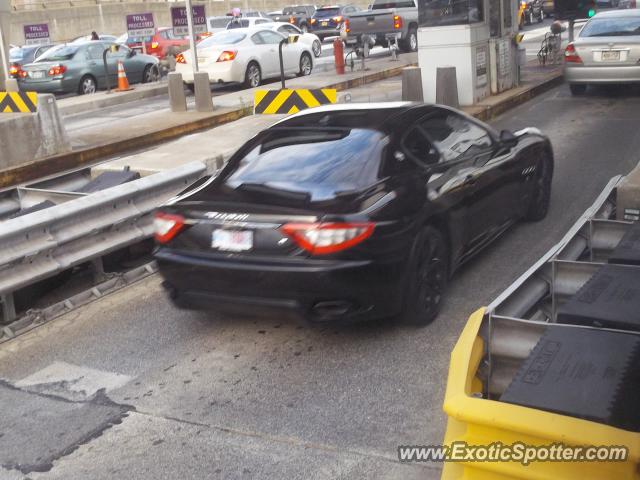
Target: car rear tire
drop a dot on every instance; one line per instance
(151, 74)
(411, 42)
(577, 89)
(306, 65)
(428, 278)
(253, 75)
(317, 48)
(539, 206)
(87, 85)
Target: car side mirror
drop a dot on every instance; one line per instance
(508, 139)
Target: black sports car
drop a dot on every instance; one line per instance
(351, 212)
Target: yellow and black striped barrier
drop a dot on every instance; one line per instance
(291, 101)
(18, 102)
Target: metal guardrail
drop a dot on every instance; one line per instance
(44, 243)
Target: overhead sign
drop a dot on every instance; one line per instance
(179, 20)
(36, 34)
(140, 25)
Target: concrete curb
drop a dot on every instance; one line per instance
(104, 101)
(491, 111)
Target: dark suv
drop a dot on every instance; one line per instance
(327, 21)
(298, 15)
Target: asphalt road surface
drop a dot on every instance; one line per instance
(130, 387)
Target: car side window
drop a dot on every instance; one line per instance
(416, 149)
(94, 52)
(288, 30)
(271, 38)
(257, 39)
(261, 20)
(455, 136)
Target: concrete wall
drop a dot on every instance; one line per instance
(70, 22)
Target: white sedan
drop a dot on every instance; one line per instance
(245, 55)
(307, 38)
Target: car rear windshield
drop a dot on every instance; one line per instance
(294, 11)
(16, 54)
(327, 12)
(58, 54)
(318, 163)
(219, 22)
(222, 38)
(384, 4)
(611, 27)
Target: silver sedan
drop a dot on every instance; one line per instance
(607, 51)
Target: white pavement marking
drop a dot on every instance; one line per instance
(72, 378)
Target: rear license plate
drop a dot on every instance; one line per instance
(324, 24)
(610, 56)
(202, 59)
(38, 74)
(232, 240)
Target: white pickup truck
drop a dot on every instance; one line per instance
(384, 22)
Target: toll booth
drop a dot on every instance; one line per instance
(476, 37)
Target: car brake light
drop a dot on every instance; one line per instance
(227, 56)
(397, 22)
(571, 55)
(166, 226)
(292, 20)
(57, 70)
(14, 70)
(347, 27)
(313, 20)
(23, 74)
(325, 238)
(337, 19)
(154, 45)
(180, 58)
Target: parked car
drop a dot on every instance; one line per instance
(531, 11)
(246, 55)
(241, 22)
(19, 56)
(309, 39)
(298, 15)
(79, 67)
(351, 212)
(549, 8)
(606, 51)
(217, 24)
(274, 15)
(327, 21)
(102, 37)
(387, 21)
(163, 44)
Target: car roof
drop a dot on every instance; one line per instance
(618, 14)
(353, 115)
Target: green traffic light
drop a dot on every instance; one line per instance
(591, 13)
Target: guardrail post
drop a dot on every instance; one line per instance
(177, 98)
(447, 87)
(8, 308)
(204, 102)
(412, 84)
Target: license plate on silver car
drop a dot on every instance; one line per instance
(37, 74)
(232, 240)
(612, 56)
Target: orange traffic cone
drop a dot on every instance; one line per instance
(123, 83)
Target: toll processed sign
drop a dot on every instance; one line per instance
(140, 25)
(18, 102)
(292, 101)
(37, 34)
(179, 20)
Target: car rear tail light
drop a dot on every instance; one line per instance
(14, 70)
(57, 70)
(347, 27)
(325, 238)
(337, 19)
(167, 226)
(397, 22)
(154, 45)
(180, 58)
(292, 20)
(313, 20)
(227, 56)
(23, 74)
(571, 55)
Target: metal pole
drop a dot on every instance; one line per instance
(3, 56)
(282, 63)
(106, 69)
(192, 37)
(572, 24)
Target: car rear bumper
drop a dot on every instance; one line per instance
(317, 290)
(602, 74)
(49, 86)
(325, 32)
(224, 72)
